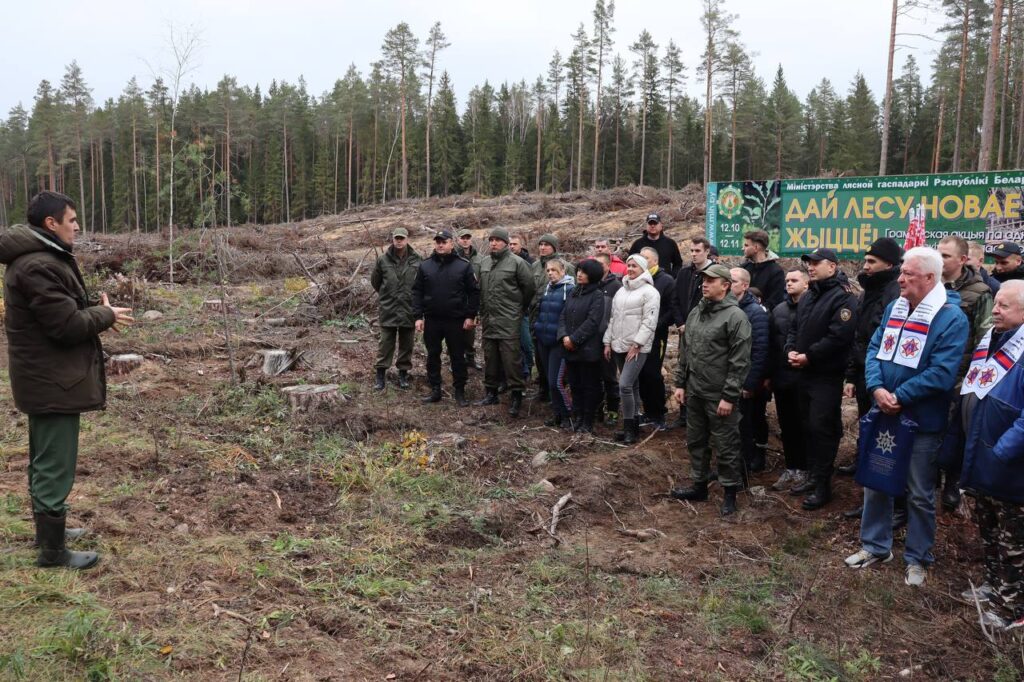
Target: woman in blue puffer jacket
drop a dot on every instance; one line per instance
(549, 348)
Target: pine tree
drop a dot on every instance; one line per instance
(645, 70)
(784, 118)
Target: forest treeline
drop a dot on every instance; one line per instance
(606, 112)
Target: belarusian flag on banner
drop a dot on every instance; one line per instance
(915, 229)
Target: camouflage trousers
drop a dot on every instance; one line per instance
(1001, 525)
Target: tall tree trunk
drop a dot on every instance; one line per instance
(1006, 85)
(540, 133)
(643, 141)
(52, 165)
(348, 163)
(135, 173)
(376, 123)
(579, 146)
(1019, 156)
(81, 169)
(597, 117)
(92, 183)
(103, 188)
(156, 164)
(960, 88)
(988, 112)
(287, 193)
(668, 170)
(887, 110)
(732, 166)
(618, 124)
(937, 154)
(227, 163)
(405, 161)
(337, 162)
(707, 113)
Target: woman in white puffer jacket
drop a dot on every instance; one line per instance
(629, 337)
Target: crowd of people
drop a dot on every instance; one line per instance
(928, 334)
(931, 340)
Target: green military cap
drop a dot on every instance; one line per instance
(718, 271)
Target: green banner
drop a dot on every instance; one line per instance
(847, 214)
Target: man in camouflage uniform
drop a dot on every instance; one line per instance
(392, 279)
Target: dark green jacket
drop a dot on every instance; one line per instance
(473, 256)
(976, 303)
(392, 279)
(506, 291)
(54, 353)
(714, 350)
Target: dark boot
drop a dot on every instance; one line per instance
(378, 385)
(403, 379)
(631, 431)
(70, 535)
(584, 424)
(950, 493)
(460, 396)
(757, 462)
(698, 492)
(515, 403)
(52, 552)
(847, 469)
(490, 398)
(502, 387)
(554, 420)
(434, 396)
(729, 500)
(854, 513)
(821, 496)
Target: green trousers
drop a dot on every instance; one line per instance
(506, 353)
(706, 430)
(52, 456)
(403, 337)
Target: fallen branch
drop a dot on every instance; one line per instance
(556, 514)
(217, 610)
(803, 598)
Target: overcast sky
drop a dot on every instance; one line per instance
(260, 40)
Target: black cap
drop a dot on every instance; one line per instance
(819, 255)
(887, 249)
(443, 235)
(1004, 249)
(653, 218)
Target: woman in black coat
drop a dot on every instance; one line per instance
(580, 331)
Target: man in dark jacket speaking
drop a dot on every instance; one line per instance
(55, 360)
(445, 301)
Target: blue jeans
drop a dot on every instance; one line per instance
(876, 520)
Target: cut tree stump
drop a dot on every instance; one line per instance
(309, 397)
(276, 361)
(214, 305)
(123, 364)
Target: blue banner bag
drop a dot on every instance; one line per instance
(883, 451)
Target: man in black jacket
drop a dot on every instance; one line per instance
(445, 301)
(784, 385)
(55, 361)
(1009, 258)
(654, 238)
(818, 346)
(766, 275)
(652, 383)
(754, 395)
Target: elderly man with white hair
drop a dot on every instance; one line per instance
(992, 413)
(910, 369)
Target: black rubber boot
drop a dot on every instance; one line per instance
(554, 420)
(490, 398)
(52, 552)
(460, 396)
(515, 403)
(434, 396)
(70, 534)
(729, 500)
(378, 385)
(757, 462)
(821, 496)
(403, 379)
(847, 469)
(698, 492)
(632, 431)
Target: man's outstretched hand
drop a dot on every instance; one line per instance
(122, 316)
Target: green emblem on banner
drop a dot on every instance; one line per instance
(730, 202)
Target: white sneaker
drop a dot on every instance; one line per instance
(785, 480)
(864, 558)
(916, 575)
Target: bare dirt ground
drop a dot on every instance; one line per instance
(376, 538)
